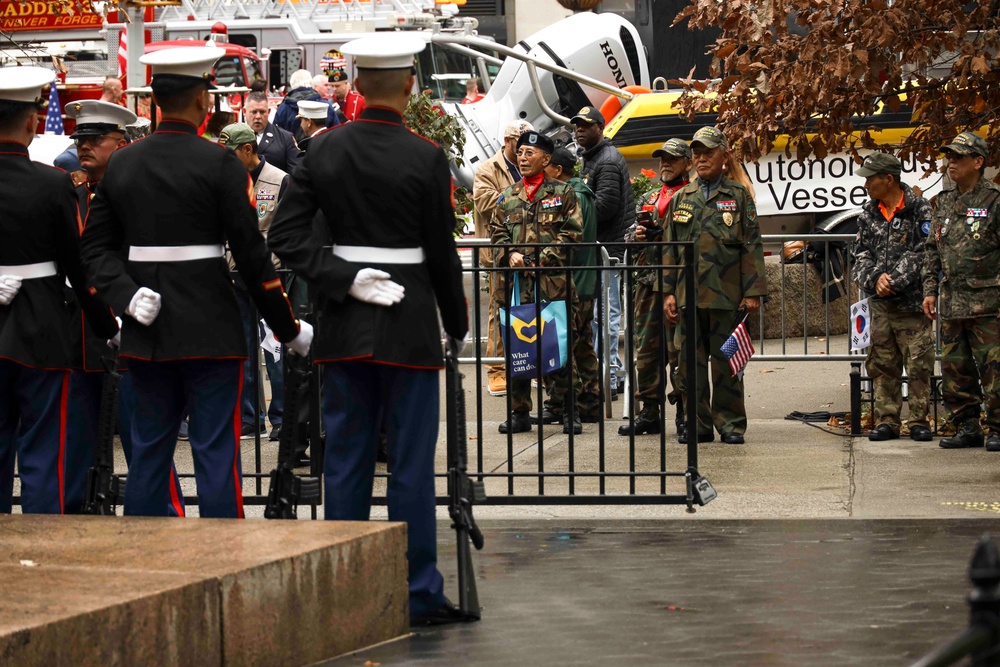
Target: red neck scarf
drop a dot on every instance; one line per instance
(666, 194)
(532, 183)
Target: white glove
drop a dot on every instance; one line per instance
(145, 306)
(374, 286)
(9, 286)
(116, 342)
(458, 345)
(301, 343)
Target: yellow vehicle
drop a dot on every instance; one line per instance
(792, 196)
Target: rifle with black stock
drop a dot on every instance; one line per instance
(105, 490)
(287, 490)
(463, 492)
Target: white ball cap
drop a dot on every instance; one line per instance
(388, 50)
(24, 84)
(195, 62)
(95, 117)
(313, 110)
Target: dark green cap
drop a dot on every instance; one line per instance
(710, 137)
(235, 135)
(880, 163)
(968, 143)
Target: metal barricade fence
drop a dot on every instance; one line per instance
(617, 474)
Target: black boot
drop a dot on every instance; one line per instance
(970, 435)
(572, 423)
(993, 442)
(519, 422)
(647, 421)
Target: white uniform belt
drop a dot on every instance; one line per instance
(30, 271)
(375, 255)
(174, 253)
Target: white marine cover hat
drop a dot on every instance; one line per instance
(94, 117)
(391, 50)
(312, 109)
(194, 62)
(24, 84)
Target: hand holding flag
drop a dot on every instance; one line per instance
(738, 348)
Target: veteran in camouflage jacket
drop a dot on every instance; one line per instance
(536, 209)
(719, 216)
(650, 325)
(888, 259)
(961, 281)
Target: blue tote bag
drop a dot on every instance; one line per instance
(522, 350)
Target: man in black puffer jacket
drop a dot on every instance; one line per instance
(605, 171)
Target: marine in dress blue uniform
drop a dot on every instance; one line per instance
(40, 251)
(174, 199)
(378, 340)
(100, 130)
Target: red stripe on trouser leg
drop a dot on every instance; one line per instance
(63, 406)
(175, 502)
(237, 432)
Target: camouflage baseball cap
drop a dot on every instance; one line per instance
(709, 137)
(880, 163)
(673, 148)
(235, 135)
(967, 143)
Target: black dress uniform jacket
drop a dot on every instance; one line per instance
(377, 184)
(40, 224)
(88, 347)
(175, 188)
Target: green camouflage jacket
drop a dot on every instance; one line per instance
(962, 260)
(649, 202)
(728, 251)
(585, 281)
(553, 217)
(895, 247)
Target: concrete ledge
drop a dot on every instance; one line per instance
(133, 591)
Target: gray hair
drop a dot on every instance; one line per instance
(516, 129)
(300, 78)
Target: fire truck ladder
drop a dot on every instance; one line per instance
(381, 13)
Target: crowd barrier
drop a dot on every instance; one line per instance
(599, 466)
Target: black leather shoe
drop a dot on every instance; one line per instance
(647, 421)
(882, 432)
(275, 433)
(920, 433)
(573, 423)
(548, 417)
(519, 422)
(702, 437)
(732, 438)
(993, 442)
(970, 435)
(443, 615)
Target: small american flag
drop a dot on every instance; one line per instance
(53, 120)
(738, 348)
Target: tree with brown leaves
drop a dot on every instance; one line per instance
(829, 74)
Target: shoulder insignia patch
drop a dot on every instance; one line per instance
(751, 212)
(925, 227)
